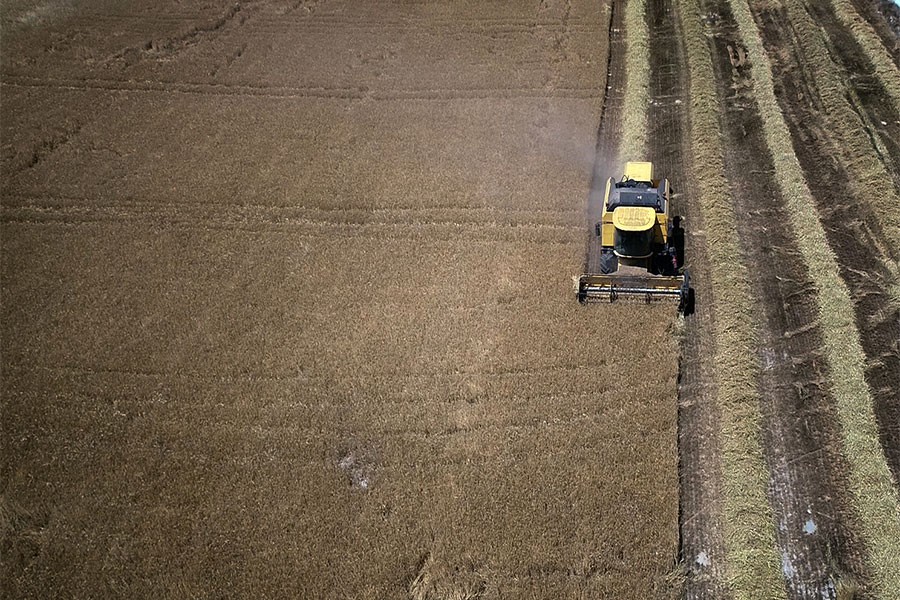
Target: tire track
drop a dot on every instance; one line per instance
(335, 93)
(53, 140)
(81, 210)
(73, 202)
(340, 20)
(304, 375)
(268, 27)
(702, 551)
(169, 47)
(488, 233)
(449, 28)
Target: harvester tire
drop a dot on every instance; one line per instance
(688, 308)
(676, 241)
(608, 263)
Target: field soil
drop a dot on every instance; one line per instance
(287, 308)
(850, 227)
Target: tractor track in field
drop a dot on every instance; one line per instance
(608, 132)
(295, 92)
(474, 223)
(78, 211)
(702, 551)
(378, 232)
(337, 20)
(807, 489)
(853, 242)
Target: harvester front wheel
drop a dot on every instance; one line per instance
(608, 263)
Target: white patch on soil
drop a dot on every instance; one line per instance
(786, 567)
(45, 11)
(810, 527)
(768, 356)
(703, 559)
(357, 470)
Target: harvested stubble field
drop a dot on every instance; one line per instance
(788, 103)
(287, 311)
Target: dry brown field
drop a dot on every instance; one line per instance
(286, 303)
(287, 308)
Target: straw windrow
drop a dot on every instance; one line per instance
(856, 151)
(871, 44)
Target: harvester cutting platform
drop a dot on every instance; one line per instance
(638, 252)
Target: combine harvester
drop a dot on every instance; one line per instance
(638, 252)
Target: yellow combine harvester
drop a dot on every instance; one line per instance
(639, 250)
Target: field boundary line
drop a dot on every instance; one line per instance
(753, 569)
(875, 495)
(637, 83)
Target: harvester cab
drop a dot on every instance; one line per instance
(638, 252)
